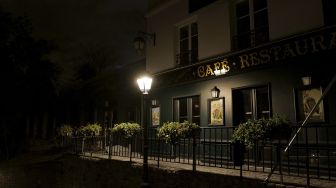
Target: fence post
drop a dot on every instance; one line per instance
(278, 153)
(130, 148)
(194, 153)
(307, 159)
(109, 148)
(92, 144)
(158, 154)
(83, 143)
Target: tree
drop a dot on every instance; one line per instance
(27, 77)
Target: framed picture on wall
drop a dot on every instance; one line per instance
(216, 111)
(156, 116)
(305, 100)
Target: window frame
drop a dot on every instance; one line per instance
(192, 54)
(189, 116)
(253, 99)
(254, 32)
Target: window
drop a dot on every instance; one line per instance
(251, 103)
(188, 44)
(251, 23)
(187, 108)
(329, 7)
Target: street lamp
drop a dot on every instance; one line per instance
(144, 84)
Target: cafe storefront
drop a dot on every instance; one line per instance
(253, 83)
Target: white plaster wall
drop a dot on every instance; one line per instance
(162, 56)
(287, 17)
(214, 29)
(213, 32)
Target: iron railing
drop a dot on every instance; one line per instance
(186, 58)
(213, 147)
(250, 39)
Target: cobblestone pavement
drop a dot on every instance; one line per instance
(52, 159)
(275, 179)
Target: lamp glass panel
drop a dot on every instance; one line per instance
(214, 93)
(144, 84)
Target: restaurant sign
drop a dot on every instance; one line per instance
(270, 54)
(276, 52)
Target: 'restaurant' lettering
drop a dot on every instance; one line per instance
(272, 54)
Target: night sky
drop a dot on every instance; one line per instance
(75, 25)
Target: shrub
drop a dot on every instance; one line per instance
(171, 132)
(65, 130)
(90, 129)
(128, 130)
(253, 130)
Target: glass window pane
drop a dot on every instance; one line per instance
(242, 8)
(184, 32)
(184, 46)
(246, 97)
(194, 43)
(243, 25)
(259, 4)
(194, 49)
(195, 106)
(262, 102)
(183, 107)
(261, 19)
(194, 29)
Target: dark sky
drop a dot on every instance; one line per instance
(77, 24)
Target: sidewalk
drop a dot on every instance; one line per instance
(289, 181)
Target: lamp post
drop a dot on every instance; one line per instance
(144, 84)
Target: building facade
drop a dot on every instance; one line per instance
(264, 48)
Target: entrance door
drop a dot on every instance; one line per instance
(251, 103)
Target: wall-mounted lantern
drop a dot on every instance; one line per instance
(215, 92)
(139, 42)
(306, 80)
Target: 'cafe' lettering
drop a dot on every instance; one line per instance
(271, 54)
(207, 70)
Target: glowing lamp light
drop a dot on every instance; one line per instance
(222, 71)
(215, 92)
(145, 84)
(306, 80)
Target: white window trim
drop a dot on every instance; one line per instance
(178, 26)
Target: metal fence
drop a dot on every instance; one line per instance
(312, 155)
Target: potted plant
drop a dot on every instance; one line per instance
(248, 133)
(273, 128)
(128, 130)
(172, 132)
(90, 129)
(277, 128)
(65, 132)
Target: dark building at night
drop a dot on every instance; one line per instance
(257, 53)
(263, 58)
